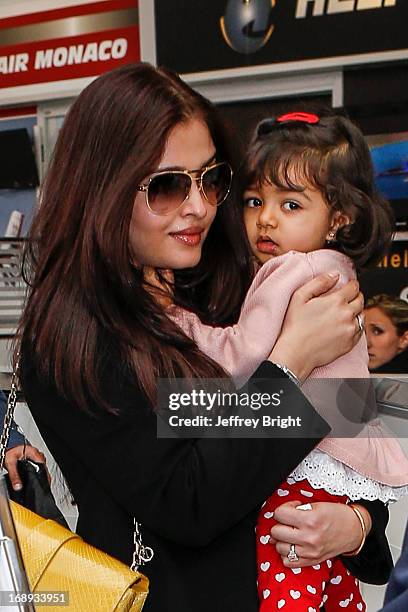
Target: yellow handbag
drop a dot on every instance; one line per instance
(58, 560)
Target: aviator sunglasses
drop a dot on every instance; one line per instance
(166, 191)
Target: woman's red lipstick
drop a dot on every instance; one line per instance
(191, 236)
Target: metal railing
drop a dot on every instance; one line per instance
(12, 286)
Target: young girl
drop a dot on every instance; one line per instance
(310, 206)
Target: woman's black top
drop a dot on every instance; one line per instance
(196, 499)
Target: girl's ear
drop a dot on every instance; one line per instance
(403, 342)
(339, 220)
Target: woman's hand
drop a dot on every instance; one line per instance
(319, 327)
(16, 453)
(328, 530)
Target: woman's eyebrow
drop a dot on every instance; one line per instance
(181, 168)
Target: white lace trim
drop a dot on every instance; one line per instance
(324, 472)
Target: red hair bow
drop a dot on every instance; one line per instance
(303, 117)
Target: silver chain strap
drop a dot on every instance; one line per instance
(8, 419)
(141, 554)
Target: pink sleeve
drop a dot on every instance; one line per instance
(355, 363)
(239, 349)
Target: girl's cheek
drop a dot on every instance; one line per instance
(250, 218)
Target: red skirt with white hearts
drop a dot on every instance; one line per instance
(305, 589)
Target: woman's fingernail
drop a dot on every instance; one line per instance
(333, 274)
(18, 486)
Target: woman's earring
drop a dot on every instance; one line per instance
(331, 238)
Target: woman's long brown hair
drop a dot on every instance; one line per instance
(86, 300)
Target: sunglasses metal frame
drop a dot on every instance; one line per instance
(189, 173)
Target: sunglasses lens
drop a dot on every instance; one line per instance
(216, 183)
(167, 191)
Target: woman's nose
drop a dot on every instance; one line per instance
(195, 203)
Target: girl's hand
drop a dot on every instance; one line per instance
(328, 530)
(319, 327)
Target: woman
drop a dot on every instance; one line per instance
(111, 249)
(386, 319)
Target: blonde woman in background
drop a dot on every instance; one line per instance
(386, 322)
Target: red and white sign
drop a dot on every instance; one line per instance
(97, 49)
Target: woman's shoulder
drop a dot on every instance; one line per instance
(120, 392)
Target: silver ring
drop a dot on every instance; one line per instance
(292, 556)
(360, 321)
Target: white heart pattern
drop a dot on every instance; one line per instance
(325, 598)
(316, 567)
(336, 580)
(294, 594)
(310, 609)
(264, 539)
(296, 570)
(282, 492)
(351, 597)
(290, 480)
(281, 603)
(268, 515)
(266, 593)
(306, 493)
(359, 606)
(329, 563)
(344, 603)
(311, 589)
(280, 577)
(265, 566)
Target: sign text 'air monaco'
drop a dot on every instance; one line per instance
(68, 42)
(58, 57)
